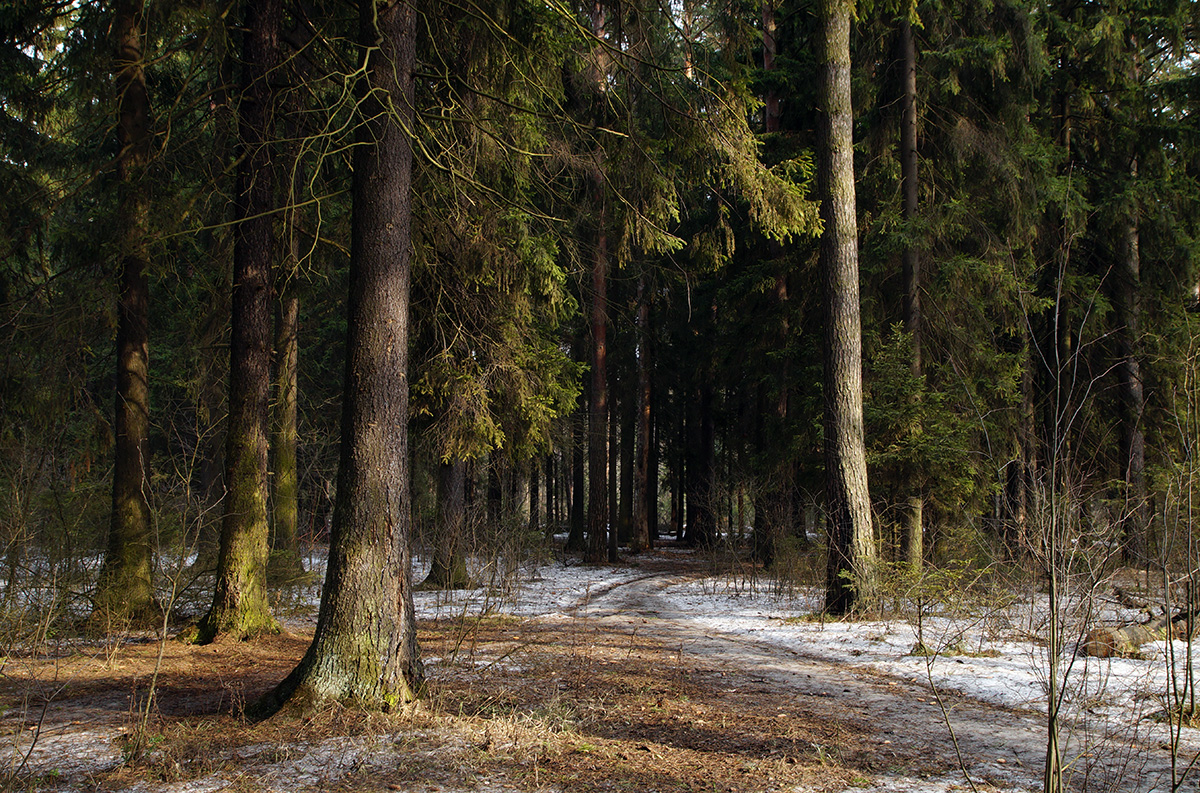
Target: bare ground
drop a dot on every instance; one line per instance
(617, 694)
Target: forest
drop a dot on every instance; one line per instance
(892, 306)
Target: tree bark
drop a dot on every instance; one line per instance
(240, 599)
(912, 541)
(1136, 519)
(598, 409)
(576, 537)
(449, 566)
(125, 590)
(851, 581)
(364, 649)
(285, 562)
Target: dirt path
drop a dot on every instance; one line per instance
(996, 746)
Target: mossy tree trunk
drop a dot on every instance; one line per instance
(240, 606)
(364, 650)
(285, 497)
(851, 580)
(125, 589)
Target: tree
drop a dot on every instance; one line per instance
(851, 576)
(240, 599)
(912, 540)
(125, 588)
(364, 649)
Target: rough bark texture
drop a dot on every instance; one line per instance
(851, 580)
(364, 650)
(913, 540)
(449, 567)
(125, 590)
(240, 598)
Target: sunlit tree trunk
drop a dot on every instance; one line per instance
(852, 576)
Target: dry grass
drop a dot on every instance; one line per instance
(531, 705)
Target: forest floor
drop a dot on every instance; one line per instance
(579, 679)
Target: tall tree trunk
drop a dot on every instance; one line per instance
(365, 646)
(598, 409)
(240, 599)
(285, 562)
(449, 565)
(1136, 519)
(641, 536)
(851, 580)
(125, 590)
(912, 541)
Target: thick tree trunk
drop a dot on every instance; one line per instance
(364, 650)
(912, 541)
(240, 599)
(449, 565)
(641, 536)
(125, 590)
(851, 580)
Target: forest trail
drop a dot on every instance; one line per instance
(585, 680)
(996, 746)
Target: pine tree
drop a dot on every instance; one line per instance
(364, 650)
